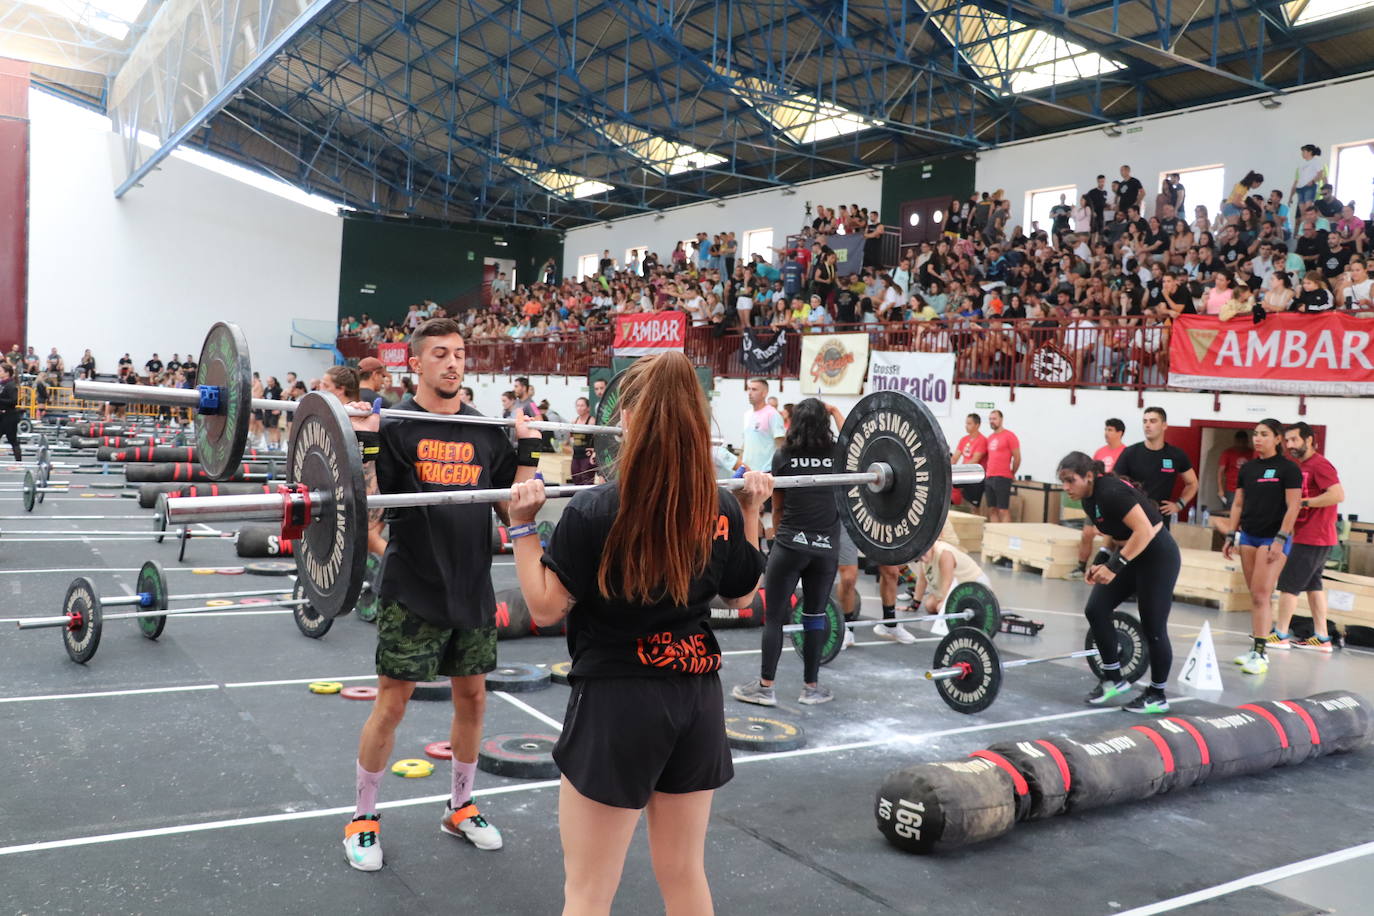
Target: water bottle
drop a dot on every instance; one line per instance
(1342, 529)
(1206, 518)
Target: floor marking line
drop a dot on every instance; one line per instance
(88, 570)
(522, 705)
(110, 693)
(302, 680)
(1173, 626)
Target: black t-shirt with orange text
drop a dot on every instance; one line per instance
(611, 637)
(438, 558)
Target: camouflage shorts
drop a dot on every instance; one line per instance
(412, 649)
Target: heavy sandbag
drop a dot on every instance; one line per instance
(1110, 768)
(148, 493)
(512, 614)
(1189, 759)
(146, 453)
(1239, 742)
(1343, 719)
(258, 541)
(190, 473)
(1299, 739)
(1045, 771)
(98, 442)
(930, 806)
(726, 618)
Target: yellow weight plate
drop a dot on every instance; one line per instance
(203, 572)
(325, 686)
(412, 768)
(218, 602)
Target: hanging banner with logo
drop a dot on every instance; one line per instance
(762, 350)
(1317, 354)
(927, 376)
(833, 363)
(645, 335)
(849, 252)
(394, 355)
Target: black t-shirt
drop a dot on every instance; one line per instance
(1129, 193)
(610, 637)
(173, 365)
(125, 361)
(1111, 500)
(1330, 207)
(791, 277)
(1231, 253)
(1155, 471)
(1311, 248)
(1097, 200)
(154, 366)
(1333, 264)
(438, 558)
(810, 522)
(1265, 482)
(845, 312)
(190, 367)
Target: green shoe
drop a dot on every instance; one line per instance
(1149, 702)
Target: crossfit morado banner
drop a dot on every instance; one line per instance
(1329, 353)
(645, 335)
(833, 363)
(927, 376)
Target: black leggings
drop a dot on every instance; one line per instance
(9, 429)
(817, 575)
(1151, 576)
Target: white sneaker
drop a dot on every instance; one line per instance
(363, 843)
(1255, 664)
(894, 633)
(848, 638)
(468, 823)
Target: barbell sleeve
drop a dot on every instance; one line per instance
(131, 600)
(945, 674)
(36, 623)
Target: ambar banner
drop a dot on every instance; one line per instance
(833, 363)
(1321, 354)
(644, 335)
(926, 376)
(394, 355)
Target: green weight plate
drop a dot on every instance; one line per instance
(308, 620)
(978, 598)
(608, 414)
(898, 523)
(834, 629)
(152, 582)
(1130, 645)
(82, 640)
(30, 491)
(978, 687)
(221, 436)
(323, 456)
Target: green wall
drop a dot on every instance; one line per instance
(389, 264)
(951, 177)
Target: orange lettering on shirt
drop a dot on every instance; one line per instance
(722, 528)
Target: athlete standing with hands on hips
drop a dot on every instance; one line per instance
(633, 565)
(1146, 564)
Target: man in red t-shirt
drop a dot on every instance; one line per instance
(1112, 431)
(1314, 534)
(1004, 457)
(972, 449)
(1229, 465)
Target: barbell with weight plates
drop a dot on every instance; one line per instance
(968, 669)
(892, 491)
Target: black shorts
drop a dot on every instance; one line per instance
(625, 738)
(1303, 571)
(999, 492)
(973, 493)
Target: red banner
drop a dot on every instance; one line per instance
(1329, 353)
(644, 335)
(394, 355)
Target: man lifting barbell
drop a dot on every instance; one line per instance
(1146, 564)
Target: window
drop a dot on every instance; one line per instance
(801, 118)
(586, 266)
(113, 17)
(563, 184)
(1039, 203)
(1304, 12)
(758, 242)
(1203, 186)
(1354, 175)
(638, 252)
(664, 156)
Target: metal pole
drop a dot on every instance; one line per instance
(928, 618)
(35, 623)
(945, 674)
(129, 600)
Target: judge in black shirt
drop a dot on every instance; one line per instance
(1154, 465)
(633, 565)
(1146, 563)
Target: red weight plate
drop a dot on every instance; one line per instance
(230, 571)
(359, 693)
(439, 750)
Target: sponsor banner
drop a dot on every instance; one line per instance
(645, 335)
(833, 363)
(926, 376)
(394, 355)
(849, 251)
(1328, 353)
(763, 350)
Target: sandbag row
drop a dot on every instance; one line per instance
(191, 473)
(148, 493)
(933, 806)
(185, 454)
(258, 541)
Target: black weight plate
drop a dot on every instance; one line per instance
(760, 733)
(976, 690)
(559, 671)
(152, 582)
(160, 518)
(834, 629)
(608, 414)
(331, 555)
(25, 426)
(30, 491)
(523, 756)
(517, 677)
(978, 598)
(369, 602)
(271, 568)
(183, 538)
(81, 642)
(224, 363)
(1130, 644)
(899, 523)
(308, 620)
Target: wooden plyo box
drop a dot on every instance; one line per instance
(1052, 550)
(968, 528)
(1207, 577)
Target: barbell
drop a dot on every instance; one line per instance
(967, 671)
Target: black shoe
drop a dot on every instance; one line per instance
(1105, 691)
(1151, 701)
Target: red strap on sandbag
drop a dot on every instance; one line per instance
(1160, 745)
(1305, 716)
(1017, 780)
(1197, 736)
(1271, 719)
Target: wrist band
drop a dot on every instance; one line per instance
(1235, 537)
(519, 531)
(527, 452)
(1103, 557)
(369, 442)
(1117, 563)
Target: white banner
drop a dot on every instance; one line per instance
(833, 363)
(926, 376)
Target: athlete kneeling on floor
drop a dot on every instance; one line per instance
(1146, 565)
(941, 568)
(634, 565)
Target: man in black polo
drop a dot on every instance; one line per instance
(1154, 465)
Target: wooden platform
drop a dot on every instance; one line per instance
(1051, 550)
(968, 529)
(1207, 577)
(1349, 599)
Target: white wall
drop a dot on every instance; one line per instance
(1242, 135)
(153, 271)
(784, 213)
(1047, 423)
